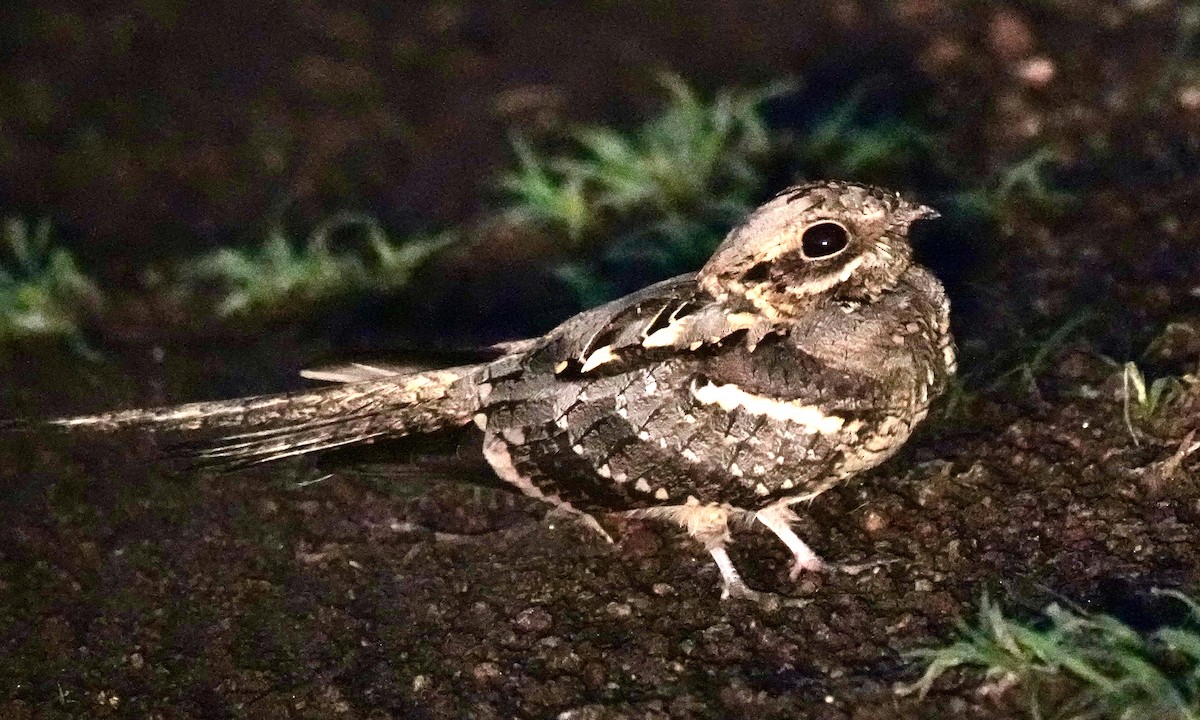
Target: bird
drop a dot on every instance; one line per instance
(801, 354)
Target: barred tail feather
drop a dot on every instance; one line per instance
(287, 425)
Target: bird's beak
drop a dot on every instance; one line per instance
(921, 212)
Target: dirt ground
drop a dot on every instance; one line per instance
(128, 589)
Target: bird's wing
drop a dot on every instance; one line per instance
(669, 316)
(365, 371)
(353, 372)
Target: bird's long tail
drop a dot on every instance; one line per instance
(273, 427)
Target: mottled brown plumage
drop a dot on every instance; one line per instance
(803, 353)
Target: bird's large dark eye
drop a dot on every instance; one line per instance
(824, 239)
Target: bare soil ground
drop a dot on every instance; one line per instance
(128, 590)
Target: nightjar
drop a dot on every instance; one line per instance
(803, 353)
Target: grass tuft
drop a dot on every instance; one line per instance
(1028, 182)
(1030, 355)
(697, 158)
(42, 290)
(1079, 665)
(634, 206)
(846, 143)
(283, 272)
(651, 202)
(1144, 400)
(546, 197)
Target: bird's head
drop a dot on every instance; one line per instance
(814, 241)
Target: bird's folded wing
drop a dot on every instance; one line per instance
(673, 315)
(362, 371)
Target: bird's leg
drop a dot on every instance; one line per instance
(732, 584)
(709, 524)
(779, 518)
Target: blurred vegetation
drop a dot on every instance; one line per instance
(651, 202)
(42, 290)
(285, 273)
(44, 293)
(847, 142)
(696, 157)
(655, 201)
(1080, 665)
(1029, 356)
(625, 207)
(1027, 182)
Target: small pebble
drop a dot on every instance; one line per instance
(1036, 71)
(534, 620)
(486, 672)
(874, 521)
(619, 609)
(1189, 97)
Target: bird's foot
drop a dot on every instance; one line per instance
(734, 588)
(739, 590)
(810, 562)
(767, 600)
(778, 519)
(857, 568)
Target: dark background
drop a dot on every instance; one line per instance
(150, 131)
(154, 130)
